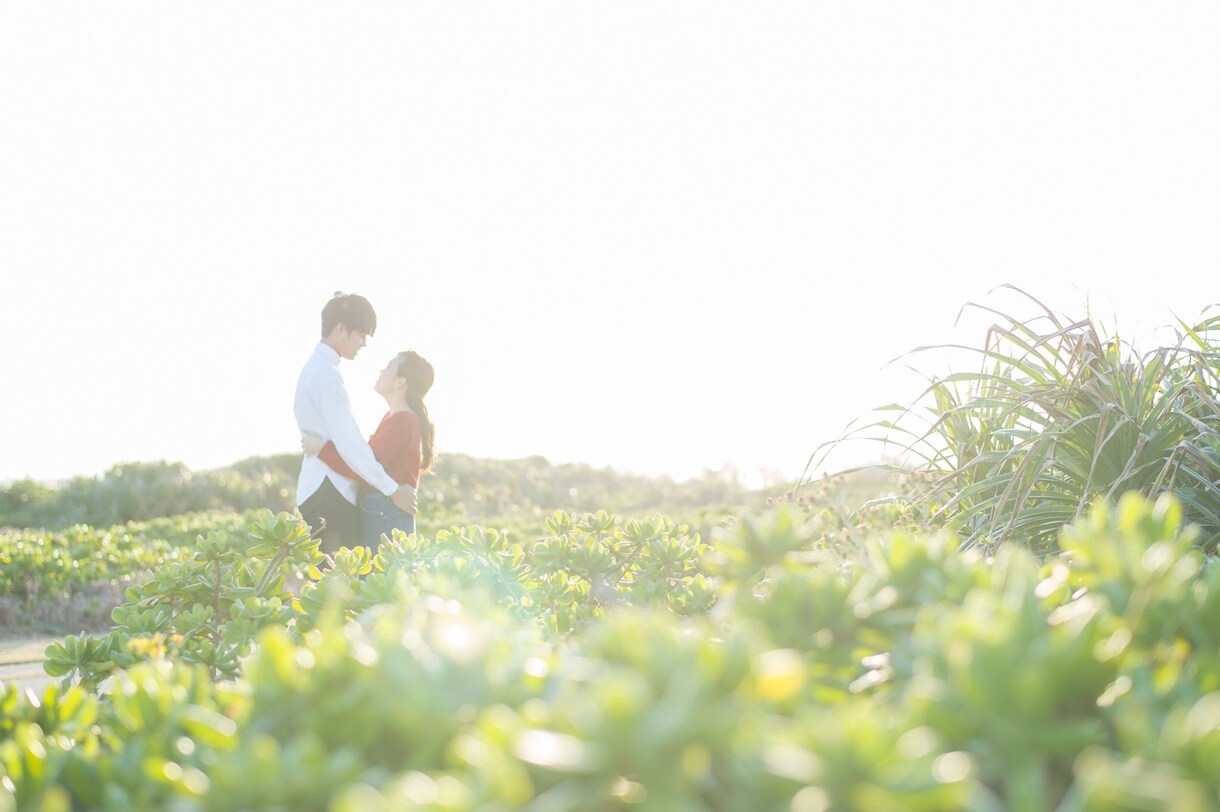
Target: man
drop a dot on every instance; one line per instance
(326, 499)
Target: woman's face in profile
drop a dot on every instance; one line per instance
(388, 380)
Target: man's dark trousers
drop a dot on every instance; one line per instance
(332, 518)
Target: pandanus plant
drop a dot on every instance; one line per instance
(1058, 416)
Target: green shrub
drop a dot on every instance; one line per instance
(899, 674)
(66, 580)
(1060, 415)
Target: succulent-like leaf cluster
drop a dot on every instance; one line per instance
(905, 675)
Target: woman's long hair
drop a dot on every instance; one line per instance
(417, 372)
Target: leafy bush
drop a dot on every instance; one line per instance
(207, 609)
(67, 580)
(892, 673)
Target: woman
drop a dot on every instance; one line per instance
(402, 443)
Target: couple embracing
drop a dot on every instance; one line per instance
(351, 492)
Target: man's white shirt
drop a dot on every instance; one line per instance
(322, 407)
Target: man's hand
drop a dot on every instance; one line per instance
(405, 499)
(311, 443)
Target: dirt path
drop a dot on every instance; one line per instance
(21, 662)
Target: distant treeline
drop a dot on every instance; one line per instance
(138, 491)
(468, 488)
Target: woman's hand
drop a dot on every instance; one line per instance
(311, 443)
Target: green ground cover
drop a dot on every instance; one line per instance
(618, 664)
(61, 575)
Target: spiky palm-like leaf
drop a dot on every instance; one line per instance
(1060, 415)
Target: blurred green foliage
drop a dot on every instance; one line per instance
(139, 491)
(877, 668)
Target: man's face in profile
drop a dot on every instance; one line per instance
(349, 342)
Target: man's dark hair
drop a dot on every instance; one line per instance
(351, 310)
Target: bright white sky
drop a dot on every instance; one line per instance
(662, 236)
